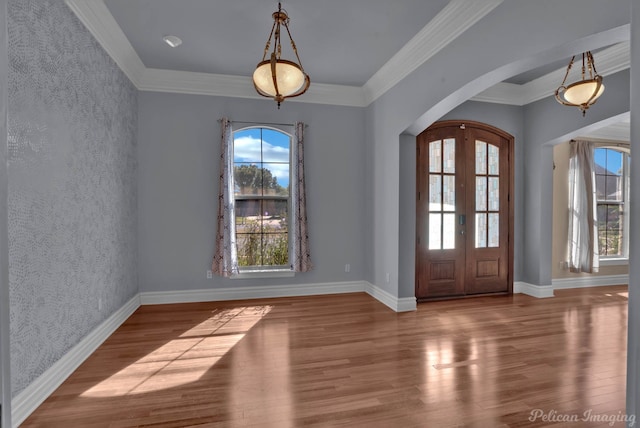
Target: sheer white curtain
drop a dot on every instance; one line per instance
(583, 226)
(225, 260)
(300, 255)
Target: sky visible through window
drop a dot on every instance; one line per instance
(275, 151)
(609, 159)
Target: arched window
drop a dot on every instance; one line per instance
(611, 167)
(261, 169)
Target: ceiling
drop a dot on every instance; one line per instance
(353, 51)
(339, 42)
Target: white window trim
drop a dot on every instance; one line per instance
(614, 261)
(263, 273)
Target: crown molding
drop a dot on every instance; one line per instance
(452, 21)
(186, 82)
(99, 21)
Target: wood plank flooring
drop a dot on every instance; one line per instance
(348, 361)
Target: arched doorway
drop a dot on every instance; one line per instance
(464, 210)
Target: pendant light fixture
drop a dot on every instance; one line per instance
(275, 77)
(585, 92)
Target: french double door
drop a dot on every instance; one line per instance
(464, 213)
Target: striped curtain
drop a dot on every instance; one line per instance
(300, 254)
(225, 260)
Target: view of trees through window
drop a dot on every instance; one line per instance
(261, 192)
(611, 171)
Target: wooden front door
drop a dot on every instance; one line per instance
(464, 217)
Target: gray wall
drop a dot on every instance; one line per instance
(5, 376)
(72, 185)
(506, 117)
(179, 151)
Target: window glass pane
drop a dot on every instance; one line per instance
(249, 249)
(275, 146)
(435, 230)
(481, 157)
(494, 194)
(481, 193)
(275, 249)
(275, 179)
(614, 162)
(602, 215)
(481, 230)
(247, 179)
(247, 210)
(450, 155)
(435, 192)
(247, 145)
(601, 189)
(449, 193)
(435, 156)
(449, 232)
(614, 219)
(494, 230)
(494, 160)
(275, 214)
(249, 231)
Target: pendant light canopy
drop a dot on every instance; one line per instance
(275, 77)
(585, 92)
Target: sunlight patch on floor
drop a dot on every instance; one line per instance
(185, 359)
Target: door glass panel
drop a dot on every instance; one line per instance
(449, 193)
(435, 229)
(435, 192)
(442, 195)
(481, 193)
(494, 160)
(449, 156)
(449, 232)
(494, 230)
(494, 194)
(481, 157)
(481, 230)
(435, 156)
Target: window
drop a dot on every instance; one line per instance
(261, 174)
(612, 195)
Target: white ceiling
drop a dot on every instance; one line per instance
(353, 51)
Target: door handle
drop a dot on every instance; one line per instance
(462, 219)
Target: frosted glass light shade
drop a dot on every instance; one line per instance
(290, 79)
(580, 93)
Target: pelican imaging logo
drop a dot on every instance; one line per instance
(587, 416)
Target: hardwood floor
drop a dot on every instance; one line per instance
(347, 360)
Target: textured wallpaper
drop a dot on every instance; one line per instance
(72, 130)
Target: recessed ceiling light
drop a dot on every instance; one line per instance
(172, 41)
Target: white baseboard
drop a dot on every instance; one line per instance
(539, 291)
(245, 293)
(23, 404)
(398, 304)
(590, 281)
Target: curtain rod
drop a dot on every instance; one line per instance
(606, 142)
(262, 123)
